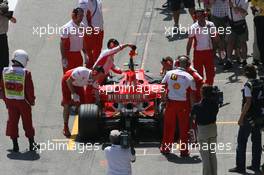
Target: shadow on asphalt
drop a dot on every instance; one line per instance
(237, 71)
(28, 155)
(168, 14)
(186, 160)
(176, 37)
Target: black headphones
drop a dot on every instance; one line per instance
(177, 61)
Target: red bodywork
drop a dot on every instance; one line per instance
(133, 88)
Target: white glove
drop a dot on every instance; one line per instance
(75, 97)
(64, 62)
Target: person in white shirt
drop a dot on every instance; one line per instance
(73, 82)
(71, 43)
(239, 31)
(219, 13)
(202, 33)
(118, 159)
(5, 17)
(245, 126)
(177, 83)
(94, 35)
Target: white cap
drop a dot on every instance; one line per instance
(115, 137)
(115, 133)
(20, 56)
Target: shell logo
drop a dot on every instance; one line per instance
(176, 86)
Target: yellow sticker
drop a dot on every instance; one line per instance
(177, 86)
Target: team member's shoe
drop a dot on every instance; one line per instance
(66, 131)
(256, 170)
(15, 145)
(33, 146)
(165, 5)
(164, 152)
(185, 155)
(227, 65)
(237, 170)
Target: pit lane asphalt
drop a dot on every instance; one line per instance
(140, 22)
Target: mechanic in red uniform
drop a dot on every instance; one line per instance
(177, 107)
(196, 76)
(19, 97)
(71, 43)
(168, 64)
(73, 82)
(94, 35)
(202, 33)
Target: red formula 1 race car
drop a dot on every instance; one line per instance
(135, 101)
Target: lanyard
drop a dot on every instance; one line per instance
(95, 9)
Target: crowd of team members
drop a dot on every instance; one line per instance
(225, 14)
(85, 67)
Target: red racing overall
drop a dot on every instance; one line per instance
(177, 108)
(19, 97)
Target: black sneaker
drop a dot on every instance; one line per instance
(237, 170)
(227, 65)
(33, 146)
(15, 145)
(257, 170)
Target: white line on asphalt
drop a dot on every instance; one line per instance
(146, 50)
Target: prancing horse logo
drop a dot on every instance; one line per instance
(174, 77)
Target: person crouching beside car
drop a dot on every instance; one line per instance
(205, 114)
(73, 82)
